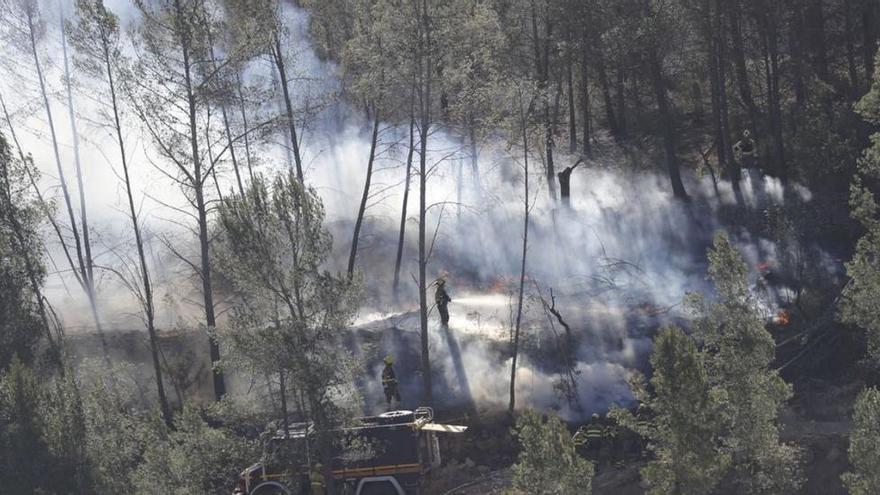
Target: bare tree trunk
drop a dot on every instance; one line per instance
(244, 123)
(770, 38)
(739, 59)
(718, 79)
(815, 17)
(542, 71)
(621, 100)
(572, 116)
(366, 196)
(285, 415)
(606, 96)
(425, 73)
(149, 308)
(288, 105)
(223, 113)
(402, 236)
(82, 266)
(522, 274)
(852, 68)
(796, 47)
(668, 125)
(44, 205)
(84, 218)
(202, 214)
(586, 125)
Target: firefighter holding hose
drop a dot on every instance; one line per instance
(441, 297)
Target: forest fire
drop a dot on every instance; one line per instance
(273, 237)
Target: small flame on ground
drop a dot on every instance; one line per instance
(783, 318)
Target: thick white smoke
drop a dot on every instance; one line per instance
(619, 260)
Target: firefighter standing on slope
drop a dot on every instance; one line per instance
(442, 299)
(389, 382)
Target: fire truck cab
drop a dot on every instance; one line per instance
(389, 454)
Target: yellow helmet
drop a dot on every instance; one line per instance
(389, 360)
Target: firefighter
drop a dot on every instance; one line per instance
(389, 382)
(316, 480)
(747, 154)
(746, 151)
(442, 299)
(592, 435)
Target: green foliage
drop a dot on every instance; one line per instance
(685, 434)
(117, 430)
(548, 463)
(290, 310)
(738, 352)
(864, 445)
(193, 458)
(860, 306)
(20, 325)
(25, 458)
(823, 149)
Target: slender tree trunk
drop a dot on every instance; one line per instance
(475, 158)
(739, 60)
(84, 218)
(244, 123)
(815, 14)
(606, 96)
(851, 65)
(288, 105)
(797, 42)
(572, 116)
(718, 76)
(771, 69)
(366, 196)
(668, 126)
(285, 415)
(425, 73)
(522, 274)
(402, 236)
(621, 100)
(44, 205)
(82, 266)
(586, 125)
(542, 72)
(149, 308)
(229, 141)
(552, 119)
(225, 115)
(202, 215)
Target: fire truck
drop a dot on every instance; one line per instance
(389, 454)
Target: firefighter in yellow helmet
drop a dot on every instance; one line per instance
(316, 480)
(441, 297)
(389, 382)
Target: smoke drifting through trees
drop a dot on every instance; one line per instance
(626, 242)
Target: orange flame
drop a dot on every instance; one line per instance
(764, 266)
(783, 318)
